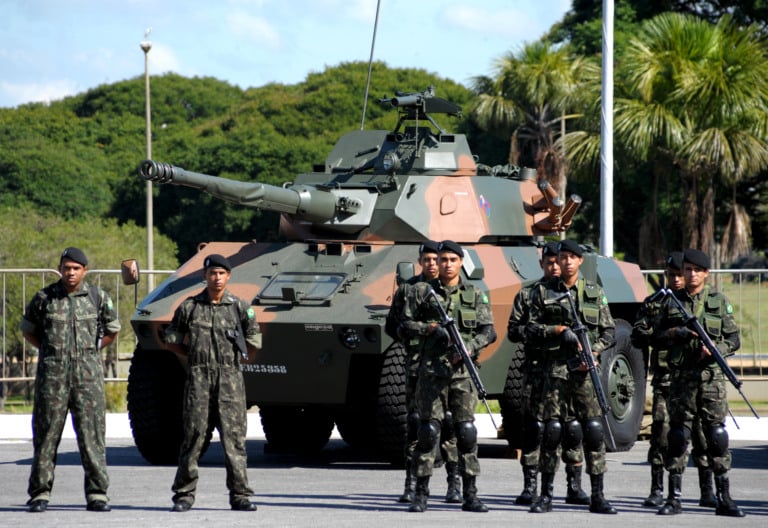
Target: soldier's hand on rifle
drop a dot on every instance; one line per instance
(441, 336)
(569, 339)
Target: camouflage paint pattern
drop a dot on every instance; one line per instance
(69, 378)
(214, 394)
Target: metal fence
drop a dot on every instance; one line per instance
(18, 359)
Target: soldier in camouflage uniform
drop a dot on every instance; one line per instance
(534, 377)
(428, 261)
(213, 329)
(68, 322)
(442, 375)
(697, 383)
(641, 336)
(570, 412)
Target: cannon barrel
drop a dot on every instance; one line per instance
(304, 201)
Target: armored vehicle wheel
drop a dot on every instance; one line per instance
(511, 401)
(155, 396)
(391, 411)
(291, 429)
(622, 374)
(357, 424)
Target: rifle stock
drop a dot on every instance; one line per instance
(449, 324)
(692, 322)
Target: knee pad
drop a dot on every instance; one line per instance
(717, 440)
(427, 436)
(593, 434)
(572, 435)
(466, 437)
(553, 433)
(533, 434)
(412, 426)
(678, 439)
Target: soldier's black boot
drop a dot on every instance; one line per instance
(544, 503)
(575, 494)
(419, 503)
(410, 486)
(471, 502)
(453, 494)
(599, 504)
(725, 504)
(673, 506)
(528, 495)
(656, 498)
(708, 499)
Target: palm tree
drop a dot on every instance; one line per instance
(697, 103)
(527, 100)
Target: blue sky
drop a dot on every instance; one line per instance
(50, 49)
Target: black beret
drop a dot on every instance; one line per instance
(675, 260)
(549, 250)
(697, 258)
(217, 261)
(74, 254)
(429, 246)
(570, 245)
(453, 247)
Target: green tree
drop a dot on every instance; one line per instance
(528, 100)
(693, 103)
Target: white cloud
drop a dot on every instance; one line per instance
(19, 93)
(163, 59)
(253, 28)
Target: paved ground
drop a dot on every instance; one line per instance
(345, 488)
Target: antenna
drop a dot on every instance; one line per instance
(370, 64)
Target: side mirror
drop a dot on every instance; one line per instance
(405, 271)
(129, 269)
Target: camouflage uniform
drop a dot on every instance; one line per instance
(570, 410)
(214, 393)
(442, 384)
(698, 386)
(69, 377)
(535, 386)
(447, 446)
(642, 333)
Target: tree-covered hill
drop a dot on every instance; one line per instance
(76, 159)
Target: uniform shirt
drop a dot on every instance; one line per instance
(547, 314)
(467, 305)
(204, 327)
(714, 312)
(642, 333)
(67, 323)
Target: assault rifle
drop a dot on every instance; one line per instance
(586, 357)
(693, 323)
(447, 322)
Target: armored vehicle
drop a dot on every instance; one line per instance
(351, 229)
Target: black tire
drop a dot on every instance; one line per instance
(155, 397)
(293, 429)
(356, 424)
(391, 410)
(622, 374)
(511, 401)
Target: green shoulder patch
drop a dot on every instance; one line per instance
(729, 308)
(251, 313)
(604, 300)
(485, 299)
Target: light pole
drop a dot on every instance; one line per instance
(146, 45)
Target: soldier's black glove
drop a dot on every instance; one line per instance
(441, 336)
(679, 334)
(569, 340)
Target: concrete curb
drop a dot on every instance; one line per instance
(19, 427)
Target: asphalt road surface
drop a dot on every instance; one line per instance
(342, 487)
